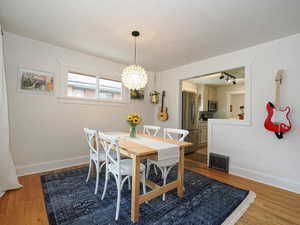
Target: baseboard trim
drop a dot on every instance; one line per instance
(279, 182)
(51, 165)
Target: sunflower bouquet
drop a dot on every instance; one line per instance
(133, 120)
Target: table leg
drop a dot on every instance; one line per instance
(135, 192)
(180, 178)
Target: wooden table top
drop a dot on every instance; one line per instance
(142, 150)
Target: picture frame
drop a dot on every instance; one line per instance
(35, 82)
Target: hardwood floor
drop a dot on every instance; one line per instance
(198, 156)
(272, 206)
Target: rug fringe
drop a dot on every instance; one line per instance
(240, 210)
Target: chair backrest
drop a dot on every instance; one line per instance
(111, 147)
(151, 130)
(92, 139)
(175, 134)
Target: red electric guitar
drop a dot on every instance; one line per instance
(278, 120)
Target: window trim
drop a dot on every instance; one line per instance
(64, 98)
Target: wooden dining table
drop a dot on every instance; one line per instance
(137, 152)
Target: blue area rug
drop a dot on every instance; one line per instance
(70, 201)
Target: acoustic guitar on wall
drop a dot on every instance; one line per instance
(163, 113)
(277, 119)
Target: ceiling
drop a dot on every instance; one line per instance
(214, 79)
(173, 32)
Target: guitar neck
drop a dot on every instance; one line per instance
(278, 80)
(162, 101)
(277, 97)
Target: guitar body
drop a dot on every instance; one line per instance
(278, 120)
(163, 114)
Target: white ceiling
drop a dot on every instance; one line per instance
(173, 32)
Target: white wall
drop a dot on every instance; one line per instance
(44, 130)
(223, 98)
(254, 152)
(237, 100)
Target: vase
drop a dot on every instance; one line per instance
(132, 131)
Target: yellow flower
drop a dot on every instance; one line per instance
(129, 118)
(135, 115)
(136, 120)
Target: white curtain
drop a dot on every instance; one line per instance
(8, 177)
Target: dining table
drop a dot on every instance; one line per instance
(138, 152)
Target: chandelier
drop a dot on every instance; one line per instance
(134, 77)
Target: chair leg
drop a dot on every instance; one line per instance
(103, 163)
(144, 184)
(90, 170)
(155, 170)
(164, 176)
(105, 184)
(148, 169)
(166, 172)
(97, 178)
(129, 183)
(118, 200)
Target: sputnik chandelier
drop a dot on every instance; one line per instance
(134, 77)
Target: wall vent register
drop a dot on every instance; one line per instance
(219, 162)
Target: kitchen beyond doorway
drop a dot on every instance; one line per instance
(218, 95)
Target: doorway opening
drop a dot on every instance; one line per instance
(218, 95)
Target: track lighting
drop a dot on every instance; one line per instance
(228, 77)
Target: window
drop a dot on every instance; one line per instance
(110, 89)
(87, 86)
(80, 85)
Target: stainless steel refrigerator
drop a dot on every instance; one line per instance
(190, 118)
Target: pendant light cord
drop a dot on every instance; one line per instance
(135, 34)
(134, 50)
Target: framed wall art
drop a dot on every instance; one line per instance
(35, 82)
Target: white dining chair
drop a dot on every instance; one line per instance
(120, 169)
(151, 130)
(165, 168)
(97, 155)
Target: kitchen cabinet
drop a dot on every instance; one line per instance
(202, 139)
(208, 93)
(212, 94)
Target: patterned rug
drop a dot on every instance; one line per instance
(70, 201)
